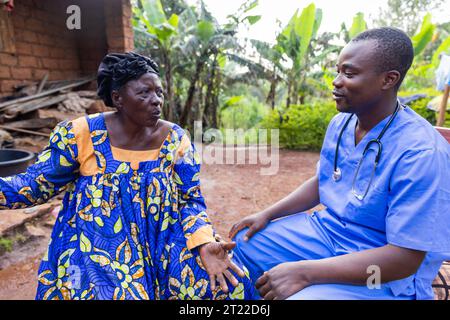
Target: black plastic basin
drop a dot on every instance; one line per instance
(13, 161)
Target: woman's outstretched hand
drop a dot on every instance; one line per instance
(218, 264)
(254, 223)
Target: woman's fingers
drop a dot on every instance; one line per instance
(231, 278)
(222, 282)
(212, 281)
(227, 246)
(236, 269)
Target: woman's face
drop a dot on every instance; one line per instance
(142, 99)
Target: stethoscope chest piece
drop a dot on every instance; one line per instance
(337, 175)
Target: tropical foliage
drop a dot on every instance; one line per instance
(213, 75)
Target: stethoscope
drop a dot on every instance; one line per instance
(337, 174)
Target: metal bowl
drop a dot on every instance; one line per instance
(13, 161)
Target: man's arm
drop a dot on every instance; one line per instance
(393, 262)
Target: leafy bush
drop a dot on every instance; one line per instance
(301, 127)
(420, 105)
(243, 112)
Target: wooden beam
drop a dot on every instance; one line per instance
(25, 131)
(6, 104)
(443, 107)
(7, 43)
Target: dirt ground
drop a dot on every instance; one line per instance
(231, 192)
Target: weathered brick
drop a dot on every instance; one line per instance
(30, 36)
(5, 72)
(27, 61)
(8, 85)
(18, 22)
(23, 48)
(56, 75)
(21, 73)
(57, 52)
(68, 64)
(50, 63)
(39, 73)
(116, 42)
(8, 59)
(40, 50)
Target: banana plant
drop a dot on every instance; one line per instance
(150, 20)
(295, 42)
(424, 36)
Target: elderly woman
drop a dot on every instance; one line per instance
(133, 223)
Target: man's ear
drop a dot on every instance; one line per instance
(391, 79)
(116, 99)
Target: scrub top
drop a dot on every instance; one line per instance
(408, 202)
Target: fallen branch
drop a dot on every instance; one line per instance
(25, 131)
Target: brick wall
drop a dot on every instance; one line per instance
(44, 44)
(119, 30)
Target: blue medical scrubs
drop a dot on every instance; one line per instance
(407, 205)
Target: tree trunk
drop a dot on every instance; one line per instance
(191, 93)
(170, 105)
(273, 87)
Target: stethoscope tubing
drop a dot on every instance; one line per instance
(337, 172)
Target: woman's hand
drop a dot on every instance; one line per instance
(284, 280)
(218, 264)
(254, 223)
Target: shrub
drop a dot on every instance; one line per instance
(302, 127)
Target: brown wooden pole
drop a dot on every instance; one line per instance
(443, 107)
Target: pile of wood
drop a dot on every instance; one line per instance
(37, 108)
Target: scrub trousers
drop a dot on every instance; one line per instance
(301, 237)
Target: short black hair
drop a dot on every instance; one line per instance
(394, 49)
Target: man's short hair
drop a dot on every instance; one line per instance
(394, 49)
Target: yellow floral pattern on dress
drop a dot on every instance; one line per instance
(121, 233)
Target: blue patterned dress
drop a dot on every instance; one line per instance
(121, 233)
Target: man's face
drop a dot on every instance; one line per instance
(358, 84)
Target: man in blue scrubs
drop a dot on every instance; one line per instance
(379, 237)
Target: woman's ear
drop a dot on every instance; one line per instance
(391, 79)
(116, 99)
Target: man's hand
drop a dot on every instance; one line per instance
(283, 281)
(218, 264)
(254, 223)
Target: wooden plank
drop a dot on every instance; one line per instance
(35, 123)
(25, 131)
(7, 43)
(6, 104)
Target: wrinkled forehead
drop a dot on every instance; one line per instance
(360, 54)
(148, 79)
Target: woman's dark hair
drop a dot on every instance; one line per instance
(116, 69)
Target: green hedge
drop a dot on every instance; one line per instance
(302, 127)
(420, 106)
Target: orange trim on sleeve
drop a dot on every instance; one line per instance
(86, 156)
(203, 235)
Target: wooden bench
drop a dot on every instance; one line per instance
(445, 132)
